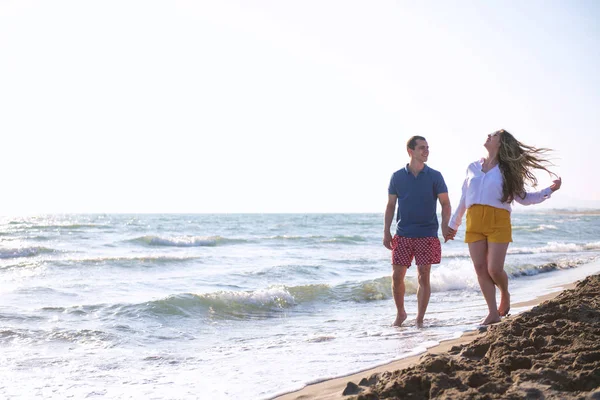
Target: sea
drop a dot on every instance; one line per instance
(239, 306)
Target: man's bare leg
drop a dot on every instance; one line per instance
(423, 292)
(398, 290)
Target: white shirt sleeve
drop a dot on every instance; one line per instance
(456, 219)
(534, 197)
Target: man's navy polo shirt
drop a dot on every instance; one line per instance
(417, 201)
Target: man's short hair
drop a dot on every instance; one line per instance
(412, 142)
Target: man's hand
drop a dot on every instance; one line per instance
(556, 185)
(387, 240)
(449, 234)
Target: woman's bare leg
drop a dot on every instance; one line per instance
(479, 256)
(495, 266)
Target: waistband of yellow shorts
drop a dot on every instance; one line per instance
(485, 207)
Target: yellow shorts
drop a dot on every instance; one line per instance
(487, 222)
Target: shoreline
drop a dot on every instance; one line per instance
(333, 388)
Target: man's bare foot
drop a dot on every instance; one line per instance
(492, 318)
(419, 323)
(400, 318)
(504, 306)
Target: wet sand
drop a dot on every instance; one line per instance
(549, 352)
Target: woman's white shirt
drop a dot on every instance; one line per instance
(486, 188)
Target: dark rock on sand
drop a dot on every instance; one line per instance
(351, 388)
(370, 381)
(549, 352)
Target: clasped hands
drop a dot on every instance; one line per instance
(448, 233)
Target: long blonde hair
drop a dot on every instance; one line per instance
(516, 162)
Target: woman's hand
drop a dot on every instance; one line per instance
(449, 234)
(556, 185)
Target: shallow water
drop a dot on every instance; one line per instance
(229, 306)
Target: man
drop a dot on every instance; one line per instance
(416, 188)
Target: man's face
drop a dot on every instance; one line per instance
(421, 151)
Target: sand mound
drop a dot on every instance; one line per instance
(549, 352)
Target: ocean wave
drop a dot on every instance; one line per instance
(459, 274)
(5, 317)
(151, 259)
(556, 247)
(296, 237)
(339, 239)
(572, 211)
(321, 339)
(592, 246)
(278, 300)
(377, 289)
(24, 252)
(534, 228)
(550, 247)
(516, 271)
(186, 241)
(70, 226)
(28, 224)
(283, 271)
(111, 261)
(455, 253)
(255, 304)
(452, 275)
(222, 304)
(263, 303)
(345, 239)
(81, 336)
(81, 310)
(199, 241)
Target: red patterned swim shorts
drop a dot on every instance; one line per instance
(425, 251)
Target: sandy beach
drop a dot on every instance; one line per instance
(549, 352)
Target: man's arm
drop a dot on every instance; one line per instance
(389, 217)
(446, 212)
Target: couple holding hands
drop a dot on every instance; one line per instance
(490, 186)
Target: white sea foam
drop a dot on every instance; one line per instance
(592, 246)
(535, 228)
(186, 241)
(453, 275)
(150, 258)
(556, 247)
(545, 227)
(550, 247)
(275, 296)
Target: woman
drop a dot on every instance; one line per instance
(489, 189)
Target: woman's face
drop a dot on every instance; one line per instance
(493, 141)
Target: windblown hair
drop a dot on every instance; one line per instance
(412, 142)
(516, 162)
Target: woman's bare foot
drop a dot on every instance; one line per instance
(400, 318)
(492, 318)
(419, 321)
(504, 306)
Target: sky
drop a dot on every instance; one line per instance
(284, 106)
